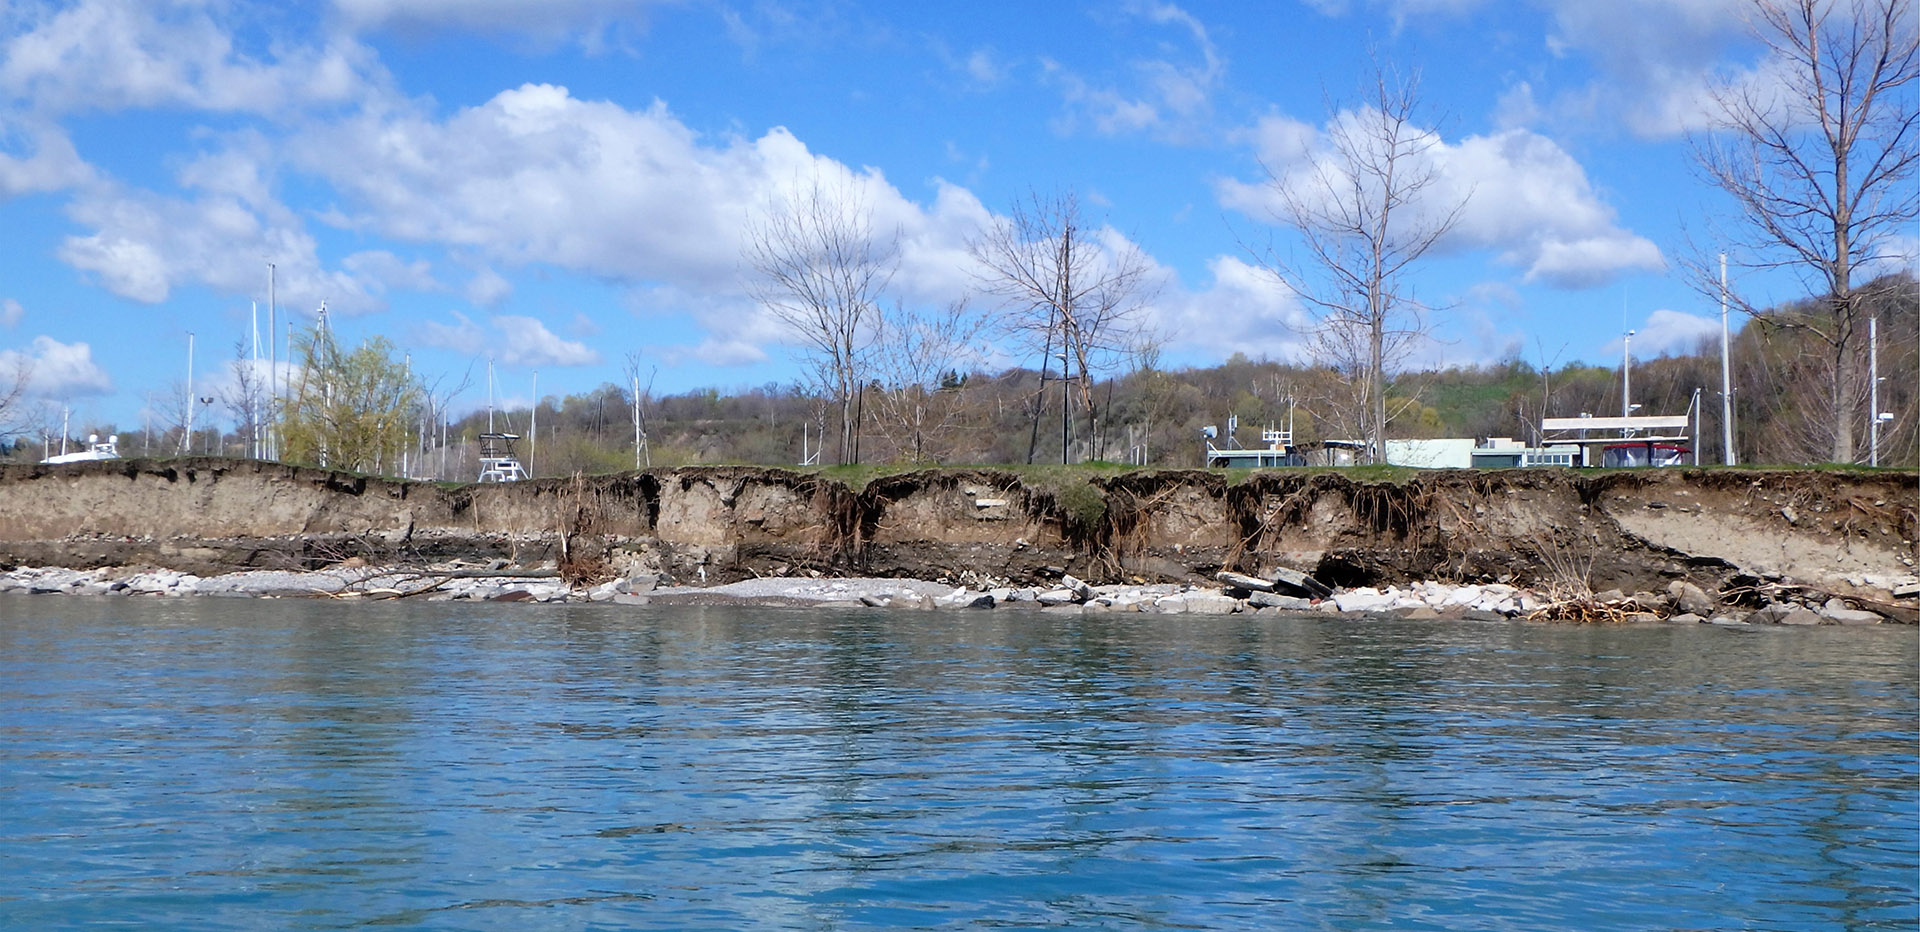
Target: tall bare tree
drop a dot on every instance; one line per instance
(1817, 152)
(820, 270)
(921, 360)
(246, 399)
(1365, 208)
(17, 375)
(1062, 284)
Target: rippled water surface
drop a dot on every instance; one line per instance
(213, 764)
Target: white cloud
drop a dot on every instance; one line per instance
(144, 245)
(544, 19)
(49, 163)
(1516, 107)
(1666, 332)
(536, 175)
(10, 313)
(385, 271)
(1655, 59)
(510, 339)
(984, 68)
(1526, 199)
(1898, 252)
(59, 370)
(487, 288)
(1243, 309)
(1171, 99)
(117, 54)
(527, 342)
(462, 336)
(720, 351)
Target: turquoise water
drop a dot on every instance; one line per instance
(232, 764)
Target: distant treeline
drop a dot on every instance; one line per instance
(1154, 416)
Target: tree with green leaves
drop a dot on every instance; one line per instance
(348, 410)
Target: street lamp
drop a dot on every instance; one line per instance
(1063, 406)
(206, 403)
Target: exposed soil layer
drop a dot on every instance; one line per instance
(1626, 530)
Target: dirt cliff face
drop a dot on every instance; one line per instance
(1627, 530)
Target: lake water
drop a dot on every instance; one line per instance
(231, 764)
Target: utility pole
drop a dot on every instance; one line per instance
(1064, 392)
(533, 449)
(1726, 375)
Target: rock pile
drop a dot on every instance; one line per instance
(1282, 591)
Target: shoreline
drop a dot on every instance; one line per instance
(1785, 603)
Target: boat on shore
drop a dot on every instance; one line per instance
(97, 449)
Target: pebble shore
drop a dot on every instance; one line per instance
(1682, 603)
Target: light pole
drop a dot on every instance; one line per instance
(1626, 375)
(206, 406)
(1063, 406)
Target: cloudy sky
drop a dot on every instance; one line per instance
(558, 184)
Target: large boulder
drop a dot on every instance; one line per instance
(1690, 599)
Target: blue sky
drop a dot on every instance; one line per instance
(558, 184)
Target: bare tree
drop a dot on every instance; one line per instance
(1364, 210)
(1064, 285)
(642, 452)
(820, 270)
(13, 394)
(246, 398)
(1817, 153)
(922, 361)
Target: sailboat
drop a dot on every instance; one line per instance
(498, 460)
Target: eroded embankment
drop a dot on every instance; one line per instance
(1627, 530)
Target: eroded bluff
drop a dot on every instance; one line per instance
(1627, 530)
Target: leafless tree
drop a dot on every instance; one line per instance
(1065, 288)
(1817, 152)
(642, 451)
(13, 394)
(922, 360)
(246, 399)
(1365, 209)
(820, 269)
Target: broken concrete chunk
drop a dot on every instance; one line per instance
(1239, 581)
(1294, 582)
(1056, 597)
(1081, 591)
(1276, 600)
